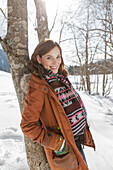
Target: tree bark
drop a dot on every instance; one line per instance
(36, 157)
(15, 45)
(81, 70)
(86, 66)
(42, 22)
(105, 55)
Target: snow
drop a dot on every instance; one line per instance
(12, 150)
(100, 115)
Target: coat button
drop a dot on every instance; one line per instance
(49, 134)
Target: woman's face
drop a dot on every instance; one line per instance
(51, 60)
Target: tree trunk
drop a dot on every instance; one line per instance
(87, 72)
(104, 74)
(81, 66)
(16, 42)
(36, 157)
(105, 52)
(86, 66)
(42, 22)
(16, 47)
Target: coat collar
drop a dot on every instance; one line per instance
(38, 83)
(42, 84)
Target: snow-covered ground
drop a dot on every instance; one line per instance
(12, 150)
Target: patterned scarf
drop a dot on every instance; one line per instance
(71, 102)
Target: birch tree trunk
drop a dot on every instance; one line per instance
(105, 56)
(15, 45)
(42, 22)
(86, 67)
(87, 72)
(79, 58)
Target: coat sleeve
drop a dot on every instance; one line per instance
(33, 105)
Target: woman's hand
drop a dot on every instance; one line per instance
(64, 149)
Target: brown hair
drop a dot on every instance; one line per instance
(41, 49)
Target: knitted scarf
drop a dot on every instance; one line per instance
(71, 102)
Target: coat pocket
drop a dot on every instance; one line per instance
(67, 161)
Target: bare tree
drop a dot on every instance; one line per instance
(90, 37)
(105, 55)
(42, 20)
(80, 36)
(103, 11)
(79, 58)
(87, 71)
(105, 18)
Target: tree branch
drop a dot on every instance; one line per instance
(3, 13)
(1, 39)
(54, 19)
(3, 43)
(93, 29)
(66, 39)
(5, 46)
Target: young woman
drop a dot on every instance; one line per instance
(54, 114)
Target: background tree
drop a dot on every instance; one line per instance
(103, 11)
(42, 21)
(88, 33)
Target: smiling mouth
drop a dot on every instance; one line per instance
(54, 67)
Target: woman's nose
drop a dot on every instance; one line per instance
(54, 61)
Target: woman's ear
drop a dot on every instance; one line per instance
(38, 59)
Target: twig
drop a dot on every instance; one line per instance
(3, 13)
(54, 18)
(1, 39)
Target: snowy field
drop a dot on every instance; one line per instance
(12, 150)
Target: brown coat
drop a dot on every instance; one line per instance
(42, 104)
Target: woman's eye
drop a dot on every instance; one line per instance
(48, 58)
(59, 56)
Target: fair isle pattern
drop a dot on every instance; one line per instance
(70, 101)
